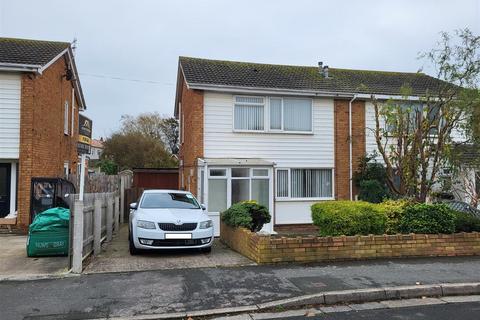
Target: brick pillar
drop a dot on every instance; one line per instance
(342, 141)
(26, 150)
(192, 126)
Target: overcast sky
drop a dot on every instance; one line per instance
(141, 40)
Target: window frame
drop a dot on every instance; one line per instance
(66, 118)
(229, 178)
(266, 115)
(290, 198)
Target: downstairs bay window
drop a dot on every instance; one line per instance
(302, 183)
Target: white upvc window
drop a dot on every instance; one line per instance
(72, 126)
(273, 114)
(65, 118)
(304, 183)
(227, 186)
(249, 113)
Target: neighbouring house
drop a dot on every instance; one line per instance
(286, 136)
(40, 100)
(96, 149)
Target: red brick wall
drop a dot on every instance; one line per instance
(342, 151)
(191, 118)
(43, 145)
(271, 249)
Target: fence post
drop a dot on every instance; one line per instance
(117, 213)
(77, 238)
(122, 199)
(97, 226)
(109, 199)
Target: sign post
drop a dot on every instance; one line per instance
(83, 148)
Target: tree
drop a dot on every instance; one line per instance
(135, 150)
(415, 139)
(154, 125)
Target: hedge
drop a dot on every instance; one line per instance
(334, 218)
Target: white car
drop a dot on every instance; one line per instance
(169, 219)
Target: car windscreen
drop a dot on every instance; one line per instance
(169, 200)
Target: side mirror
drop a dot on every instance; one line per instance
(203, 207)
(133, 205)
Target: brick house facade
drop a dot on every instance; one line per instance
(280, 135)
(46, 122)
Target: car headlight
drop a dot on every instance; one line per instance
(205, 224)
(145, 224)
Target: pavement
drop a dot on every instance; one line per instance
(465, 308)
(134, 294)
(115, 257)
(14, 263)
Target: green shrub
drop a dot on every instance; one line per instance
(335, 218)
(427, 218)
(371, 180)
(246, 214)
(394, 210)
(465, 222)
(372, 191)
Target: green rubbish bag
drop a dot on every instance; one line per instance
(48, 235)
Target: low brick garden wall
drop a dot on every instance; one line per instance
(273, 249)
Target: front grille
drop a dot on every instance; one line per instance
(177, 242)
(175, 227)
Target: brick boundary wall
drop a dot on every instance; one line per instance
(272, 249)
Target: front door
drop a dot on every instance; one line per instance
(5, 172)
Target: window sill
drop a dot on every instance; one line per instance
(306, 133)
(303, 199)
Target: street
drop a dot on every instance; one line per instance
(139, 293)
(464, 311)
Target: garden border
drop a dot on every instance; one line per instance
(264, 248)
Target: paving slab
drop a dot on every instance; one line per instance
(15, 264)
(115, 257)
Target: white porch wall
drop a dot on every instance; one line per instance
(291, 212)
(10, 92)
(286, 150)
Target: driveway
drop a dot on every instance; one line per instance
(14, 263)
(115, 257)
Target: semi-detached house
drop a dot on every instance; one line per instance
(286, 136)
(40, 97)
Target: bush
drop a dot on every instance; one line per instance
(371, 180)
(246, 214)
(394, 210)
(427, 218)
(465, 222)
(336, 218)
(372, 191)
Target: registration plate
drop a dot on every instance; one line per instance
(178, 236)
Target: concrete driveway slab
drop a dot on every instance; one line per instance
(14, 262)
(116, 258)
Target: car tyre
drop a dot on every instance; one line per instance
(206, 250)
(131, 246)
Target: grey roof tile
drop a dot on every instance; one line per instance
(31, 52)
(270, 76)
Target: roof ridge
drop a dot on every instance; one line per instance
(34, 40)
(302, 66)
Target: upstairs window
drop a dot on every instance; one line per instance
(249, 113)
(65, 118)
(273, 114)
